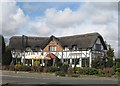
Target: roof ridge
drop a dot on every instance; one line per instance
(87, 34)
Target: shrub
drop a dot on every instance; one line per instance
(37, 68)
(75, 75)
(36, 63)
(60, 73)
(108, 71)
(53, 69)
(59, 64)
(5, 67)
(12, 67)
(45, 69)
(18, 67)
(90, 71)
(117, 64)
(78, 70)
(117, 70)
(25, 68)
(70, 70)
(64, 68)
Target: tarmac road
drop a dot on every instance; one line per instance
(36, 78)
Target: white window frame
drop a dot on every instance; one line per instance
(52, 48)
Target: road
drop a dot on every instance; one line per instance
(37, 78)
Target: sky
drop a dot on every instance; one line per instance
(60, 19)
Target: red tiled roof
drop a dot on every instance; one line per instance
(51, 55)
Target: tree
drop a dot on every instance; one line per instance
(7, 57)
(110, 55)
(2, 47)
(97, 62)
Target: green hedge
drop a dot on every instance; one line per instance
(86, 71)
(25, 68)
(64, 68)
(91, 71)
(60, 73)
(117, 70)
(75, 75)
(19, 67)
(53, 69)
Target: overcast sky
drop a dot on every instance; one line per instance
(60, 19)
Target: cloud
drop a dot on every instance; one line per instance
(64, 18)
(89, 17)
(13, 19)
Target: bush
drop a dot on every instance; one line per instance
(117, 64)
(12, 67)
(70, 70)
(59, 64)
(117, 70)
(90, 71)
(5, 67)
(36, 63)
(37, 68)
(45, 69)
(64, 68)
(60, 73)
(18, 67)
(53, 69)
(108, 71)
(75, 75)
(86, 71)
(78, 70)
(25, 68)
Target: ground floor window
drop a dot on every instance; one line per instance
(16, 60)
(75, 60)
(85, 62)
(66, 61)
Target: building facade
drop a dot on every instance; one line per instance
(77, 50)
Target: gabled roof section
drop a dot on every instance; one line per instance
(52, 37)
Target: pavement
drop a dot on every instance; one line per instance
(47, 78)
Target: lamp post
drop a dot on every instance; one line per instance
(106, 60)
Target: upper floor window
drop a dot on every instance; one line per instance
(74, 47)
(28, 48)
(98, 47)
(66, 48)
(52, 48)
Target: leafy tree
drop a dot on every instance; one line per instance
(97, 62)
(110, 55)
(117, 62)
(2, 47)
(3, 44)
(7, 57)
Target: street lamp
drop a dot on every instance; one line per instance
(106, 60)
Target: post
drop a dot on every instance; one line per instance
(90, 58)
(32, 62)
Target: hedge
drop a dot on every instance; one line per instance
(53, 69)
(60, 73)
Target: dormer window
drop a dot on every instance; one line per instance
(52, 48)
(74, 47)
(66, 48)
(98, 47)
(28, 48)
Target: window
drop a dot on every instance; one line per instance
(28, 48)
(98, 46)
(66, 49)
(52, 48)
(85, 62)
(74, 47)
